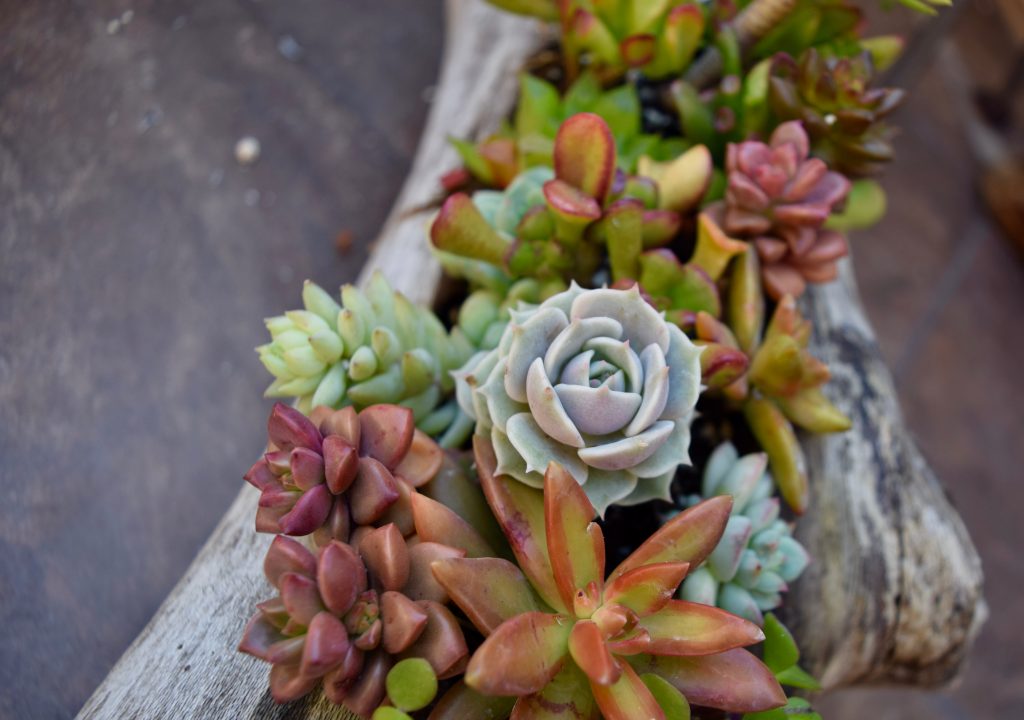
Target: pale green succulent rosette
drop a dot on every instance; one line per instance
(757, 556)
(595, 380)
(374, 347)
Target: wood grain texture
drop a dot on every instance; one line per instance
(894, 594)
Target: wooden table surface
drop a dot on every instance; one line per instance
(137, 259)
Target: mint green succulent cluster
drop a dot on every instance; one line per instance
(757, 556)
(374, 347)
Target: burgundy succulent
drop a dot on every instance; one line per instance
(780, 198)
(343, 617)
(337, 470)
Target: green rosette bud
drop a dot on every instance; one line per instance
(373, 347)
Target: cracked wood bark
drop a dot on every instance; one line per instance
(894, 594)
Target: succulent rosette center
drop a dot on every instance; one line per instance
(596, 380)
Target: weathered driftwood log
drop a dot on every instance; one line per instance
(894, 594)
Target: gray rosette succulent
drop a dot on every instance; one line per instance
(757, 556)
(596, 380)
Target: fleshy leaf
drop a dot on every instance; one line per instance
(436, 523)
(589, 651)
(575, 543)
(688, 537)
(489, 590)
(648, 588)
(684, 628)
(585, 154)
(786, 459)
(461, 229)
(521, 656)
(627, 699)
(734, 681)
(462, 702)
(520, 512)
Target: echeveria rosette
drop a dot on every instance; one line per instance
(757, 557)
(344, 616)
(595, 380)
(780, 198)
(559, 634)
(375, 347)
(338, 470)
(842, 113)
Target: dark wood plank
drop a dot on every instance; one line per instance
(136, 261)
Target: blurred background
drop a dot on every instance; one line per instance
(138, 257)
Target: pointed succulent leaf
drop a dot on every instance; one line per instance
(287, 428)
(746, 300)
(688, 537)
(441, 643)
(590, 652)
(286, 555)
(566, 697)
(521, 656)
(437, 523)
(685, 628)
(585, 155)
(489, 590)
(575, 543)
(648, 588)
(785, 457)
(627, 699)
(403, 619)
(734, 681)
(460, 229)
(811, 410)
(520, 512)
(386, 556)
(386, 433)
(341, 576)
(422, 584)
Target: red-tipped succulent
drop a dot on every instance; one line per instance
(558, 634)
(343, 617)
(779, 197)
(337, 470)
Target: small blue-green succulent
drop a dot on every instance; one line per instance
(757, 556)
(374, 347)
(595, 380)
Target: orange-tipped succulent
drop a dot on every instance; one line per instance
(337, 470)
(343, 617)
(559, 634)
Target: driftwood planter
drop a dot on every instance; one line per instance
(894, 593)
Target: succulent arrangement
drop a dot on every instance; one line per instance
(628, 358)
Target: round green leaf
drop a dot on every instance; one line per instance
(411, 684)
(390, 713)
